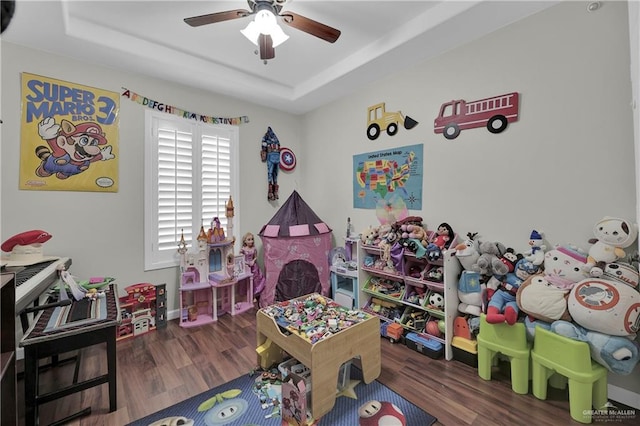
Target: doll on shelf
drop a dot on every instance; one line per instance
(440, 241)
(250, 253)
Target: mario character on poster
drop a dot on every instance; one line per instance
(69, 136)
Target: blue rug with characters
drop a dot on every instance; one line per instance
(255, 399)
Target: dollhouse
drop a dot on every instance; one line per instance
(142, 310)
(212, 280)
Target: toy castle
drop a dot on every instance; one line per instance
(215, 253)
(211, 283)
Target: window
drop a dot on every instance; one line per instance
(191, 170)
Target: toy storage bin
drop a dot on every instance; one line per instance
(431, 304)
(414, 268)
(414, 319)
(385, 287)
(415, 295)
(424, 345)
(433, 277)
(432, 328)
(388, 311)
(465, 350)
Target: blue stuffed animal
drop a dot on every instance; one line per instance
(618, 354)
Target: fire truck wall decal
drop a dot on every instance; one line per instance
(494, 113)
(379, 119)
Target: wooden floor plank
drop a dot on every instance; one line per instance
(167, 366)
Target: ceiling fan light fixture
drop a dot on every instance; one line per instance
(264, 23)
(278, 36)
(251, 32)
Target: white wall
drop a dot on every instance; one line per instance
(103, 233)
(567, 162)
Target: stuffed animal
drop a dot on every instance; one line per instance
(535, 254)
(434, 274)
(618, 354)
(530, 325)
(607, 305)
(470, 293)
(509, 259)
(541, 300)
(467, 252)
(523, 270)
(613, 235)
(369, 235)
(623, 272)
(502, 305)
(490, 254)
(564, 266)
(414, 246)
(385, 234)
(414, 232)
(440, 241)
(502, 290)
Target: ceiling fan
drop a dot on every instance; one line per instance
(266, 12)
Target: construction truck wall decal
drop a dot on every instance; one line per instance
(379, 119)
(494, 113)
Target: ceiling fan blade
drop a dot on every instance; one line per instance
(266, 47)
(212, 18)
(310, 26)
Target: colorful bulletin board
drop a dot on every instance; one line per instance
(69, 136)
(389, 173)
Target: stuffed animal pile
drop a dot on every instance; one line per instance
(589, 296)
(408, 234)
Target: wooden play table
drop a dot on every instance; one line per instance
(324, 357)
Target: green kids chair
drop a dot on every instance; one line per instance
(510, 341)
(570, 358)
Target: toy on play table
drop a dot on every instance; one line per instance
(313, 317)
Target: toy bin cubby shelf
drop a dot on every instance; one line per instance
(420, 295)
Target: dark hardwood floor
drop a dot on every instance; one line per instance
(166, 366)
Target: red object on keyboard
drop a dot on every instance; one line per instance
(25, 238)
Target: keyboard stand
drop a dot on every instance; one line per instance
(39, 344)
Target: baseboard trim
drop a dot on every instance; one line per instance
(624, 396)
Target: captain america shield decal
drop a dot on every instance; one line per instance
(287, 159)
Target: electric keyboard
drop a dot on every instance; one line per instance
(30, 285)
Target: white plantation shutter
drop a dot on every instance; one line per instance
(216, 175)
(190, 172)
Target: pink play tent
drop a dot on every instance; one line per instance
(296, 247)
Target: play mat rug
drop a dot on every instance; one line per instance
(255, 399)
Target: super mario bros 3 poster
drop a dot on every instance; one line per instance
(69, 136)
